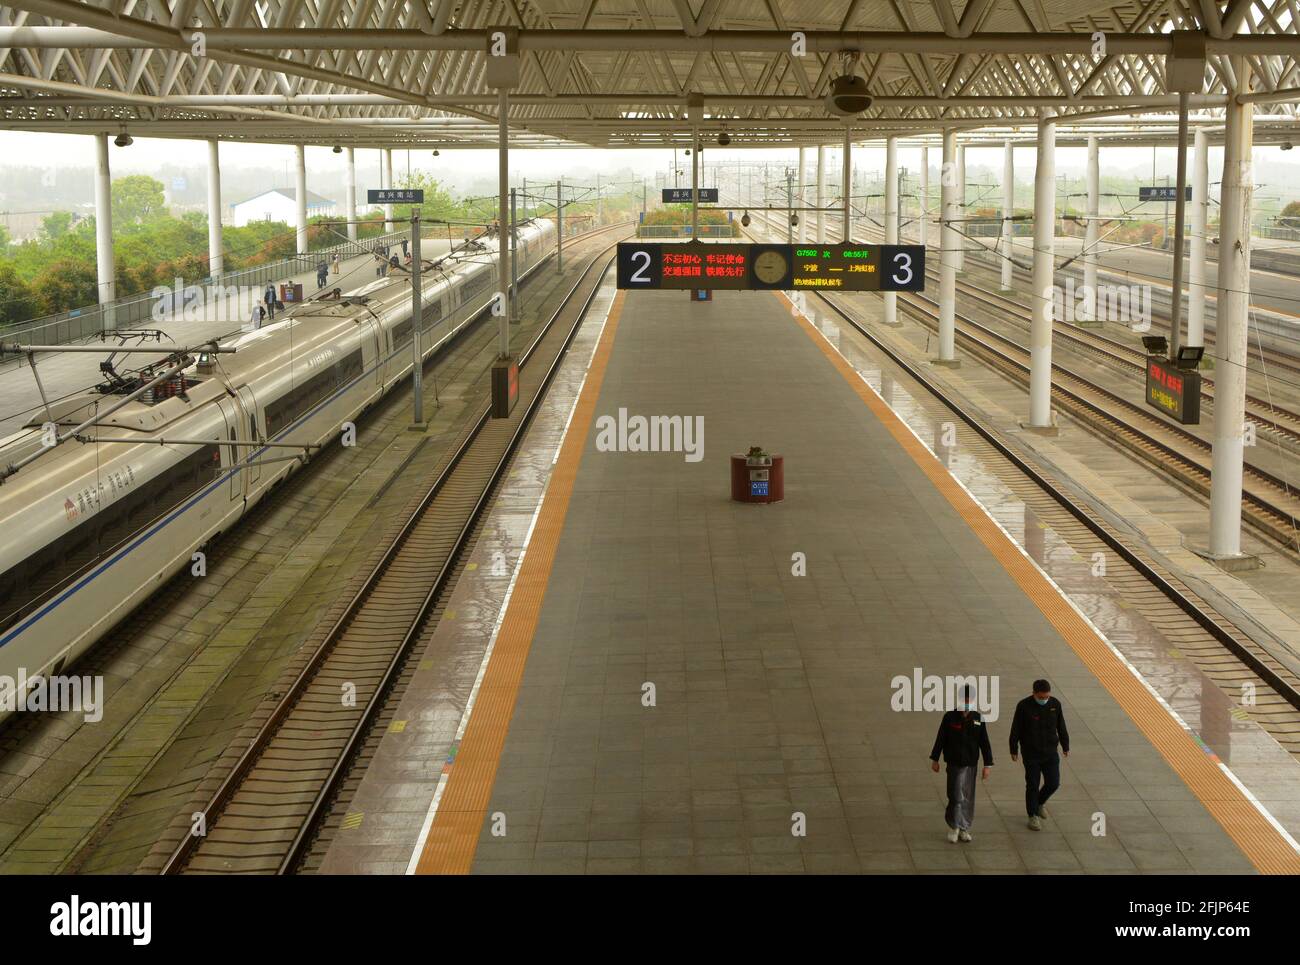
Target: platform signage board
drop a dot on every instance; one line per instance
(1162, 192)
(741, 266)
(395, 196)
(1175, 392)
(683, 196)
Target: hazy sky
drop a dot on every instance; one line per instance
(460, 166)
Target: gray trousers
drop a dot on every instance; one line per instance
(960, 812)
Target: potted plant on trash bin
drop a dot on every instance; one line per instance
(757, 457)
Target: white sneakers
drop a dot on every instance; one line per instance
(1035, 823)
(952, 836)
(1042, 812)
(964, 835)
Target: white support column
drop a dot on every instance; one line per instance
(351, 208)
(821, 194)
(891, 219)
(503, 232)
(924, 221)
(947, 244)
(388, 183)
(961, 205)
(846, 185)
(1040, 335)
(106, 268)
(1092, 231)
(1232, 314)
(1008, 209)
(300, 189)
(803, 215)
(215, 259)
(1196, 290)
(695, 184)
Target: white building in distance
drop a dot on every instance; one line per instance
(278, 204)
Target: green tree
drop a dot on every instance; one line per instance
(55, 226)
(66, 284)
(1291, 213)
(17, 304)
(137, 198)
(438, 202)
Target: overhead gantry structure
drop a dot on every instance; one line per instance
(614, 73)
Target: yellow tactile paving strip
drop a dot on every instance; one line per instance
(1241, 820)
(453, 836)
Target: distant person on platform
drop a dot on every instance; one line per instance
(256, 318)
(1037, 728)
(268, 300)
(322, 273)
(963, 740)
(337, 263)
(406, 248)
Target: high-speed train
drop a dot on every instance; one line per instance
(89, 529)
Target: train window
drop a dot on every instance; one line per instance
(432, 314)
(29, 583)
(286, 409)
(401, 333)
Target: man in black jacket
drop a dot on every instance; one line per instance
(1037, 728)
(962, 739)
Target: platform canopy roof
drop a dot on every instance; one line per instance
(638, 73)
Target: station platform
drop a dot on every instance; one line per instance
(639, 675)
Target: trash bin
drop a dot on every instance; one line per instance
(757, 479)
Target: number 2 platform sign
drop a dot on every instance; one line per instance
(755, 267)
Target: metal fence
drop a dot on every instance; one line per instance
(82, 323)
(684, 231)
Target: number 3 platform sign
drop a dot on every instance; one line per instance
(754, 267)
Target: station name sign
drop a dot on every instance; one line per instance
(683, 195)
(742, 266)
(1162, 192)
(395, 196)
(1175, 392)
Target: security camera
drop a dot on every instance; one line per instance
(724, 139)
(337, 149)
(794, 220)
(744, 219)
(1287, 145)
(124, 140)
(688, 152)
(436, 152)
(848, 96)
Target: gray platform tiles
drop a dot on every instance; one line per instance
(773, 690)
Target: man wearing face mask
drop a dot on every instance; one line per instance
(1037, 728)
(962, 739)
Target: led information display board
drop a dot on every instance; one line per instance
(1175, 392)
(1162, 192)
(742, 266)
(683, 196)
(395, 195)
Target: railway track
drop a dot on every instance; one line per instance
(1269, 417)
(1219, 649)
(1268, 357)
(1270, 503)
(263, 814)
